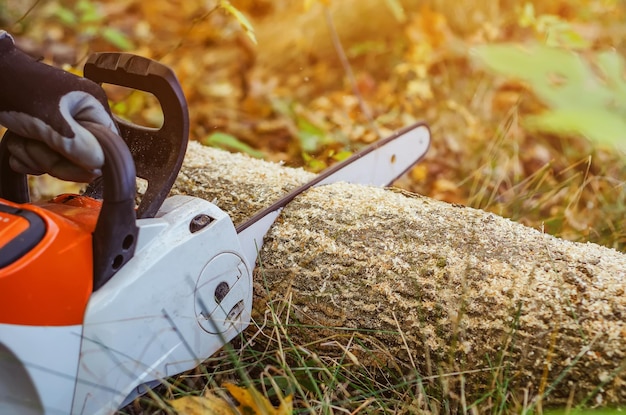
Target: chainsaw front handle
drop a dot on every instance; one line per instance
(158, 153)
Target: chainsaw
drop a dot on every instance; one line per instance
(101, 297)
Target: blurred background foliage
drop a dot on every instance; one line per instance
(525, 99)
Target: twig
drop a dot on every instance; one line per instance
(348, 69)
(30, 9)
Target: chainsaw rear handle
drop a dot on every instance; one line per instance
(115, 236)
(158, 153)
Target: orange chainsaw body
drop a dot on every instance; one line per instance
(53, 270)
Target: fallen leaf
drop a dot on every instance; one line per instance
(202, 405)
(223, 140)
(419, 173)
(249, 402)
(253, 402)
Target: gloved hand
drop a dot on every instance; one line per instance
(44, 105)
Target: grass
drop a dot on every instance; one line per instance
(579, 197)
(329, 383)
(333, 380)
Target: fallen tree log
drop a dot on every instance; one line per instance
(444, 288)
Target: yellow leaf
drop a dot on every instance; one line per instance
(241, 18)
(397, 10)
(73, 70)
(527, 16)
(253, 402)
(309, 3)
(419, 173)
(286, 406)
(202, 405)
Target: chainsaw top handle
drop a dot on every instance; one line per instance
(158, 153)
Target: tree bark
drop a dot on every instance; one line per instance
(443, 289)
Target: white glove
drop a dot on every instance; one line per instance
(44, 105)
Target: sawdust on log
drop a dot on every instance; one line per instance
(238, 184)
(462, 283)
(442, 288)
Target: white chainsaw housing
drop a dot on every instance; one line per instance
(177, 301)
(180, 298)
